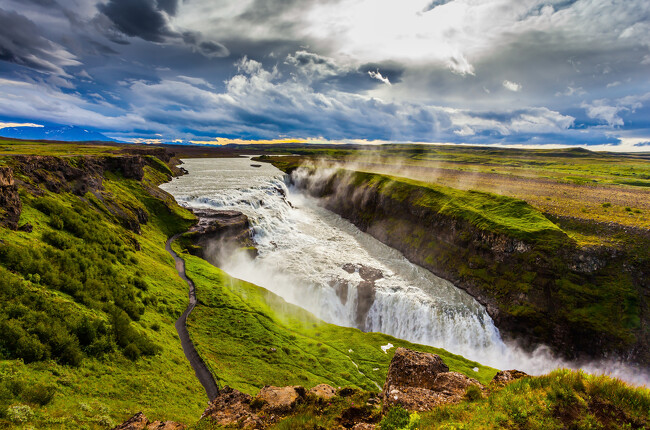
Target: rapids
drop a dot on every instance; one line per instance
(321, 262)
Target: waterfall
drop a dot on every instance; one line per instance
(321, 262)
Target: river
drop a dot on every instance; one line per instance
(315, 259)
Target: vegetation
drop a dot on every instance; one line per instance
(88, 308)
(560, 400)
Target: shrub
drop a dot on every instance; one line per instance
(132, 352)
(397, 418)
(473, 393)
(39, 394)
(20, 414)
(607, 205)
(30, 349)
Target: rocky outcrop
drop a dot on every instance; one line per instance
(140, 422)
(504, 377)
(239, 410)
(220, 232)
(10, 204)
(420, 381)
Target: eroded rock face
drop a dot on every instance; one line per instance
(140, 422)
(10, 204)
(366, 290)
(420, 381)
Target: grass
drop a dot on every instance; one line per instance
(562, 399)
(485, 211)
(264, 340)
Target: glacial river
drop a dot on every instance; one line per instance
(319, 261)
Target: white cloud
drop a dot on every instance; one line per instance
(18, 124)
(609, 111)
(511, 86)
(379, 77)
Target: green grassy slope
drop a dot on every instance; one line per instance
(237, 325)
(485, 211)
(92, 317)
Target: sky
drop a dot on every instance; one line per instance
(504, 72)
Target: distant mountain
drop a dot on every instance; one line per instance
(67, 133)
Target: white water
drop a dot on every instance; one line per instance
(302, 251)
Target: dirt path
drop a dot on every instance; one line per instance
(200, 369)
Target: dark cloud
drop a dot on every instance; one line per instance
(435, 3)
(146, 19)
(21, 42)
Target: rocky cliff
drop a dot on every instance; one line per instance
(219, 233)
(534, 281)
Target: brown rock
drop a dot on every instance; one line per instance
(363, 426)
(414, 369)
(506, 376)
(323, 391)
(421, 381)
(10, 204)
(6, 177)
(280, 399)
(233, 408)
(140, 422)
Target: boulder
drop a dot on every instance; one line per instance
(421, 381)
(219, 232)
(506, 376)
(323, 391)
(140, 422)
(280, 399)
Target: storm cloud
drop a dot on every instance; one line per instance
(498, 71)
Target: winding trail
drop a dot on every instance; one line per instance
(200, 369)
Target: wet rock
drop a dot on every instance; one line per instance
(370, 274)
(506, 376)
(421, 381)
(140, 422)
(280, 399)
(323, 391)
(340, 287)
(365, 299)
(350, 268)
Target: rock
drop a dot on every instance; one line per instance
(140, 422)
(323, 391)
(414, 369)
(364, 426)
(10, 204)
(280, 399)
(421, 381)
(27, 228)
(6, 177)
(506, 376)
(220, 232)
(233, 408)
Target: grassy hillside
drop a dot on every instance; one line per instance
(263, 340)
(88, 308)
